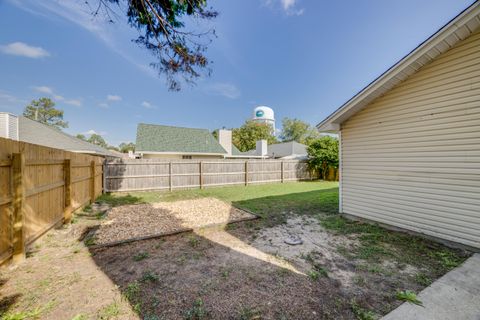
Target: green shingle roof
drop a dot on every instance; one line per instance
(158, 138)
(235, 151)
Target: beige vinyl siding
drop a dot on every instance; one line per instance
(411, 158)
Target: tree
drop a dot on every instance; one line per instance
(97, 140)
(43, 110)
(245, 137)
(178, 51)
(215, 133)
(81, 137)
(322, 154)
(298, 130)
(125, 147)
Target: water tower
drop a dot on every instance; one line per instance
(263, 114)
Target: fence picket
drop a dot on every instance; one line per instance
(39, 188)
(149, 174)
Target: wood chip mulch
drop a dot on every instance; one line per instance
(135, 222)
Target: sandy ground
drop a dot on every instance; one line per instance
(316, 242)
(60, 280)
(141, 220)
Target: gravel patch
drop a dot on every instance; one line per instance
(144, 220)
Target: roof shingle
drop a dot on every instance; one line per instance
(159, 138)
(37, 133)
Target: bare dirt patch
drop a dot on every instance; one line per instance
(143, 220)
(317, 244)
(59, 280)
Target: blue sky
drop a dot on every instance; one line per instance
(302, 58)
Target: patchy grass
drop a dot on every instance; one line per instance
(150, 276)
(29, 314)
(90, 241)
(109, 312)
(197, 312)
(141, 256)
(378, 244)
(408, 296)
(194, 241)
(361, 313)
(423, 279)
(247, 313)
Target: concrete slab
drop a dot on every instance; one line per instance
(454, 296)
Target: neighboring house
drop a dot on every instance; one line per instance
(285, 150)
(158, 141)
(410, 140)
(23, 129)
(288, 150)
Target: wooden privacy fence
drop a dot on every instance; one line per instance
(155, 174)
(40, 187)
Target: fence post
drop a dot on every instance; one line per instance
(200, 169)
(18, 172)
(170, 176)
(104, 176)
(67, 170)
(92, 181)
(283, 170)
(246, 172)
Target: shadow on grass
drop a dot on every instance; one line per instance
(116, 200)
(277, 209)
(8, 301)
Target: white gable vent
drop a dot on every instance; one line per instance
(8, 126)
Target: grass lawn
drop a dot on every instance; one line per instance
(273, 202)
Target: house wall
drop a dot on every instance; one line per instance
(178, 156)
(411, 158)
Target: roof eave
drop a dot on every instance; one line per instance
(456, 30)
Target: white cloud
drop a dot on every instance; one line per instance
(112, 97)
(113, 35)
(103, 105)
(74, 102)
(49, 91)
(8, 99)
(290, 7)
(91, 131)
(227, 90)
(24, 50)
(148, 105)
(44, 89)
